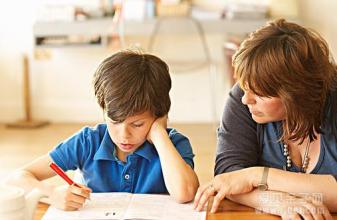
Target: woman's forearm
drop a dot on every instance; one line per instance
(266, 201)
(301, 183)
(283, 204)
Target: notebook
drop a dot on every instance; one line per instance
(128, 206)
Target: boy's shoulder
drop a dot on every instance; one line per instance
(175, 135)
(91, 134)
(182, 144)
(80, 147)
(98, 129)
(173, 131)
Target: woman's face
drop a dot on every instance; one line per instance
(264, 109)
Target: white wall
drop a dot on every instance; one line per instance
(61, 86)
(62, 89)
(321, 16)
(16, 19)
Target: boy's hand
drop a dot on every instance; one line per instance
(158, 126)
(69, 198)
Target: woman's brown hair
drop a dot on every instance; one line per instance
(285, 60)
(129, 82)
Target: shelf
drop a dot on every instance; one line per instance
(106, 27)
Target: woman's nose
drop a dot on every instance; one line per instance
(248, 98)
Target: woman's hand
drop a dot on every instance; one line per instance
(292, 207)
(159, 125)
(69, 198)
(232, 183)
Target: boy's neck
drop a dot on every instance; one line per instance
(121, 155)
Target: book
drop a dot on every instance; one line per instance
(128, 206)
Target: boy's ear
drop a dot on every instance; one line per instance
(105, 115)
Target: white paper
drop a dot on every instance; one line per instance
(128, 206)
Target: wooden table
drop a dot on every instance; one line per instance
(231, 210)
(227, 210)
(41, 209)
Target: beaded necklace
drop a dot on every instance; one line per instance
(305, 161)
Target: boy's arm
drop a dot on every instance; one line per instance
(31, 177)
(180, 179)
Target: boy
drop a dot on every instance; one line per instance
(132, 151)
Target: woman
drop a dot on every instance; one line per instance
(277, 142)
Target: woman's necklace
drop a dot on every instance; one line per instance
(305, 161)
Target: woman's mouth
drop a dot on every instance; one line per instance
(257, 113)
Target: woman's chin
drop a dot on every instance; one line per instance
(260, 119)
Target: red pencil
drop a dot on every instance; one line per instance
(62, 174)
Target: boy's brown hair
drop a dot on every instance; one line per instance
(129, 83)
(285, 60)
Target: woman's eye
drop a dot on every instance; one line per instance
(138, 125)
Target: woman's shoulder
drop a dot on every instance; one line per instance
(236, 91)
(233, 104)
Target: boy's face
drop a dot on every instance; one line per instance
(131, 133)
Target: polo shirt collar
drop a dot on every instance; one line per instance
(147, 151)
(106, 150)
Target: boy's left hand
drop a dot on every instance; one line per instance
(159, 125)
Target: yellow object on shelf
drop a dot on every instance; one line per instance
(181, 9)
(284, 9)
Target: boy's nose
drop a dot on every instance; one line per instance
(125, 133)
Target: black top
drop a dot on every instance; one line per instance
(244, 143)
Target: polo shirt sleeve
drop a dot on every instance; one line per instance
(71, 153)
(183, 146)
(237, 144)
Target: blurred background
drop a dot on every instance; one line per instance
(50, 49)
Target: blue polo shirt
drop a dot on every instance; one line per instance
(92, 151)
